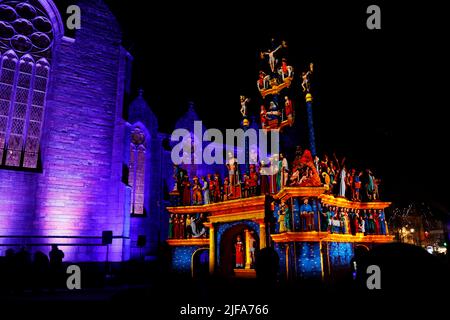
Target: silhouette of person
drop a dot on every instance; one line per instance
(23, 266)
(56, 257)
(40, 270)
(9, 270)
(266, 266)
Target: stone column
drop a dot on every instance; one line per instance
(262, 235)
(212, 249)
(248, 259)
(309, 112)
(287, 260)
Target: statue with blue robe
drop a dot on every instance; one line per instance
(296, 213)
(171, 225)
(331, 214)
(305, 213)
(371, 223)
(329, 218)
(382, 218)
(280, 173)
(197, 228)
(276, 215)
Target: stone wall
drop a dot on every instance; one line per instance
(79, 191)
(76, 194)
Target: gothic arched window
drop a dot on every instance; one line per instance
(136, 177)
(26, 39)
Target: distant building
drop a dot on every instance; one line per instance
(421, 226)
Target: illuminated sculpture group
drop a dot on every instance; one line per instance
(312, 224)
(277, 109)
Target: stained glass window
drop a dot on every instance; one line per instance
(26, 38)
(136, 177)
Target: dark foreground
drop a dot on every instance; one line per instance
(410, 283)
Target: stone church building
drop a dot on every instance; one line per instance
(75, 160)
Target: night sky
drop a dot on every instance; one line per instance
(379, 94)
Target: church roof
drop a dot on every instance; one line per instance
(186, 121)
(140, 111)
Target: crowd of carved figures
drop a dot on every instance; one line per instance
(276, 113)
(274, 68)
(293, 217)
(280, 107)
(275, 173)
(274, 78)
(187, 226)
(346, 182)
(271, 176)
(335, 175)
(298, 215)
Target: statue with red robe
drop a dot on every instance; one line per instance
(377, 222)
(274, 169)
(253, 181)
(226, 189)
(245, 186)
(176, 227)
(263, 80)
(211, 188)
(313, 179)
(289, 110)
(182, 227)
(264, 174)
(284, 170)
(217, 187)
(263, 117)
(285, 70)
(186, 192)
(232, 169)
(240, 253)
